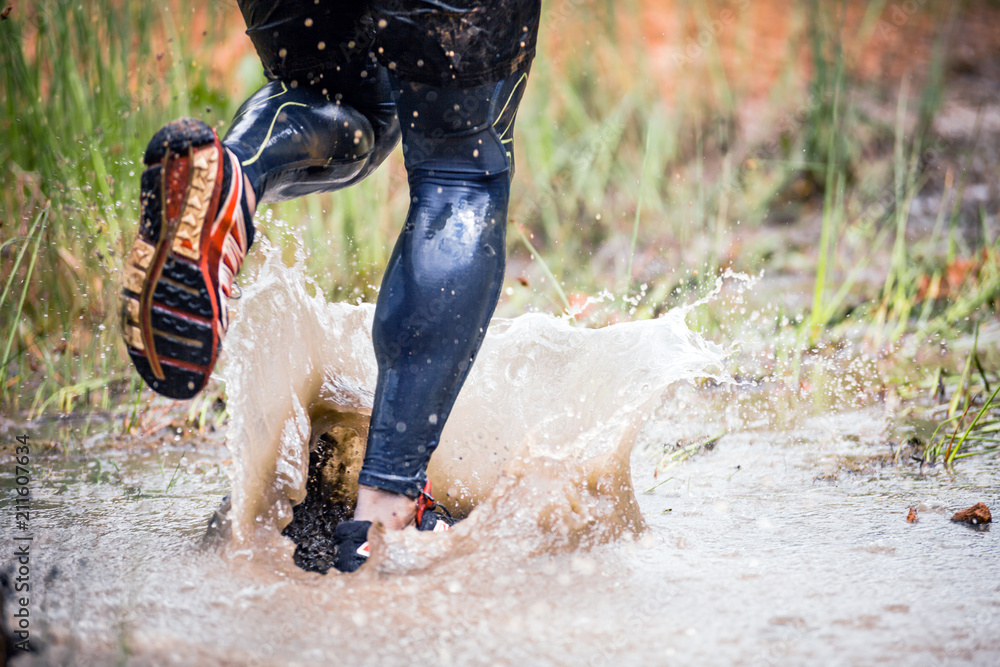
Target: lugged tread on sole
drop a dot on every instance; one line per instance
(174, 336)
(182, 292)
(178, 383)
(174, 294)
(171, 348)
(176, 298)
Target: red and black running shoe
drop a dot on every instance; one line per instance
(179, 275)
(350, 538)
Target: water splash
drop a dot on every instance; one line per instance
(538, 441)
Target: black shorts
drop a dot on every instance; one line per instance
(444, 43)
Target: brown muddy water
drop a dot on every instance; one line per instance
(777, 546)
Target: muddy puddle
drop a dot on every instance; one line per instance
(772, 545)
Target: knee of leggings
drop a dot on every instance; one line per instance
(297, 141)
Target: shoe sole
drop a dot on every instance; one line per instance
(169, 300)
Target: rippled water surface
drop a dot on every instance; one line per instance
(776, 546)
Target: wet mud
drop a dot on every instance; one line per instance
(326, 503)
(577, 547)
(747, 558)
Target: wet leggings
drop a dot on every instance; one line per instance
(444, 276)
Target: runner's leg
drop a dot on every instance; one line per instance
(444, 277)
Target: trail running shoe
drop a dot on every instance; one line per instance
(179, 275)
(350, 538)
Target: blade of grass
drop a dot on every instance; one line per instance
(638, 210)
(16, 320)
(545, 268)
(986, 407)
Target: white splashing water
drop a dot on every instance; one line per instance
(538, 441)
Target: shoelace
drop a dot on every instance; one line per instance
(426, 502)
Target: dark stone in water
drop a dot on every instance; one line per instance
(219, 529)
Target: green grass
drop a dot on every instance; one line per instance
(971, 425)
(619, 186)
(79, 83)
